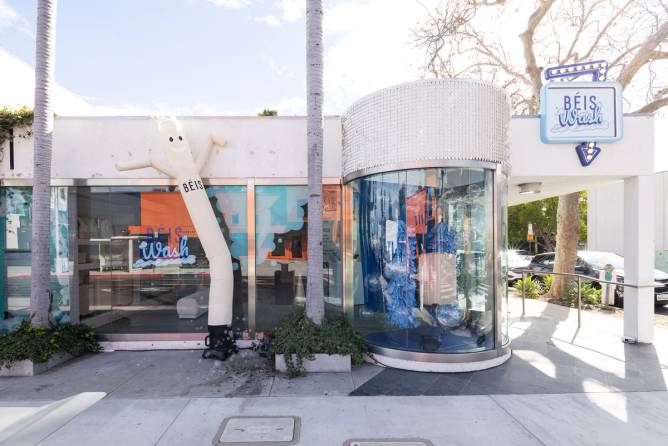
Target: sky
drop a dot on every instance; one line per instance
(232, 57)
(226, 57)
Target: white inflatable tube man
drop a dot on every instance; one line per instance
(183, 167)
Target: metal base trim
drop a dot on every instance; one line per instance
(111, 346)
(439, 358)
(439, 367)
(174, 336)
(422, 164)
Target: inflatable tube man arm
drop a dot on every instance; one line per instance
(201, 159)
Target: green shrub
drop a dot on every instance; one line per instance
(590, 295)
(298, 338)
(10, 118)
(39, 343)
(547, 284)
(532, 288)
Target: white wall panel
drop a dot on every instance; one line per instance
(256, 147)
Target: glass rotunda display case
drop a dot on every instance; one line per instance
(425, 212)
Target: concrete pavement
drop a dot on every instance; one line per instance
(569, 419)
(562, 386)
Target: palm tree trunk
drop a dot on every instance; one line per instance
(40, 292)
(315, 304)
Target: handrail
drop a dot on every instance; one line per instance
(531, 272)
(579, 277)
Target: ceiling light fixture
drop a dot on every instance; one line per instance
(529, 188)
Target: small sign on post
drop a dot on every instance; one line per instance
(607, 290)
(531, 238)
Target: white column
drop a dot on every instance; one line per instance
(639, 258)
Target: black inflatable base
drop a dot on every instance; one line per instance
(220, 343)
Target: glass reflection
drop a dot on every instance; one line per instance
(15, 254)
(423, 270)
(280, 226)
(281, 235)
(139, 256)
(127, 255)
(331, 246)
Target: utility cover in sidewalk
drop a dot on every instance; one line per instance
(388, 442)
(258, 431)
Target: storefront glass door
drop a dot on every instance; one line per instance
(123, 257)
(139, 255)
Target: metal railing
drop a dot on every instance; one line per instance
(580, 277)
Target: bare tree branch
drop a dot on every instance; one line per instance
(653, 106)
(624, 54)
(605, 29)
(659, 100)
(656, 55)
(526, 37)
(583, 19)
(629, 33)
(489, 2)
(484, 49)
(643, 55)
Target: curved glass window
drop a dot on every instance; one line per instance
(423, 259)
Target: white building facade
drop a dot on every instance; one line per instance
(605, 219)
(429, 177)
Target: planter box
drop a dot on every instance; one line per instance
(321, 363)
(28, 368)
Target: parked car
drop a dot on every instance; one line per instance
(590, 263)
(517, 261)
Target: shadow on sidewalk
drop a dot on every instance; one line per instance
(548, 358)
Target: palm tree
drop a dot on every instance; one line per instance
(40, 293)
(315, 303)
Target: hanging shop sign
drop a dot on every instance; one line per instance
(581, 111)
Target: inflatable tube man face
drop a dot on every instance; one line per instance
(176, 148)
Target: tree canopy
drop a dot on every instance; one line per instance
(542, 215)
(268, 112)
(509, 42)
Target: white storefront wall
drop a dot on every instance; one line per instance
(89, 148)
(606, 223)
(274, 149)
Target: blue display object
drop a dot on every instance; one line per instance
(399, 271)
(449, 315)
(442, 238)
(421, 259)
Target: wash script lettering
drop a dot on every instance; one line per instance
(154, 253)
(580, 112)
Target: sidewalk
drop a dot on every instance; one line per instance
(562, 386)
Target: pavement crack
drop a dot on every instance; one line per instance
(173, 420)
(516, 419)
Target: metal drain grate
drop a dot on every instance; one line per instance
(388, 442)
(258, 431)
